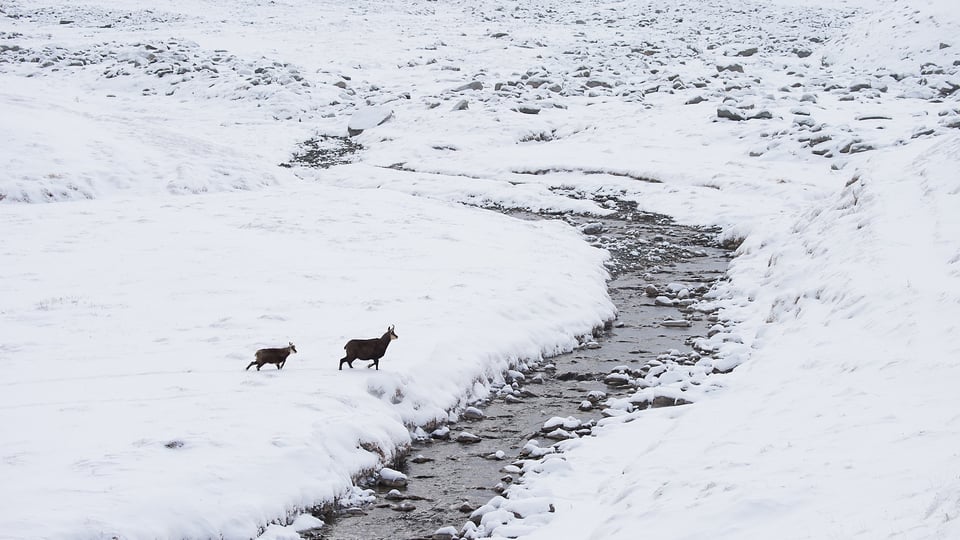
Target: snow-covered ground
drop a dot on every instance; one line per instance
(823, 134)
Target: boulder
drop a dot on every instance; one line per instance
(368, 117)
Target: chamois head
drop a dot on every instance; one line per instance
(393, 335)
(292, 347)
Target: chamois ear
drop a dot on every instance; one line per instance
(391, 328)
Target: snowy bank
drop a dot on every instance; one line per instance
(126, 325)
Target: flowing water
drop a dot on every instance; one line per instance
(448, 479)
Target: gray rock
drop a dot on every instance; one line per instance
(473, 413)
(729, 113)
(652, 291)
(663, 301)
(528, 109)
(367, 118)
(465, 437)
(592, 228)
(405, 506)
(730, 67)
(596, 396)
(594, 83)
(860, 85)
(461, 105)
(617, 380)
(473, 85)
(749, 51)
(445, 533)
(694, 100)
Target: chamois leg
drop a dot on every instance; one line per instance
(375, 363)
(251, 364)
(346, 359)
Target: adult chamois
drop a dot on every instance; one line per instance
(368, 349)
(273, 356)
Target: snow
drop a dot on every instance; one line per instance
(173, 245)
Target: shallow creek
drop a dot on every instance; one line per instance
(448, 479)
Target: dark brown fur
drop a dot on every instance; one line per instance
(272, 356)
(368, 349)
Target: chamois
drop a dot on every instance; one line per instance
(273, 356)
(368, 349)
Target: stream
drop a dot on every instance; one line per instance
(447, 480)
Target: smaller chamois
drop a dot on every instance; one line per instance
(272, 356)
(368, 349)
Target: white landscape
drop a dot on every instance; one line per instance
(151, 241)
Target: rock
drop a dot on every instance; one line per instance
(617, 380)
(560, 434)
(443, 432)
(729, 113)
(510, 398)
(652, 291)
(538, 379)
(675, 323)
(473, 413)
(473, 85)
(465, 437)
(748, 51)
(461, 105)
(420, 458)
(592, 345)
(466, 507)
(663, 301)
(528, 109)
(808, 98)
(585, 406)
(367, 118)
(664, 401)
(405, 506)
(391, 478)
(694, 100)
(393, 495)
(596, 396)
(513, 375)
(594, 83)
(569, 422)
(498, 455)
(802, 52)
(761, 115)
(592, 228)
(860, 85)
(730, 67)
(445, 533)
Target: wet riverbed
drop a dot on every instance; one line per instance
(447, 480)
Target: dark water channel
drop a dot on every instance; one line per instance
(448, 479)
